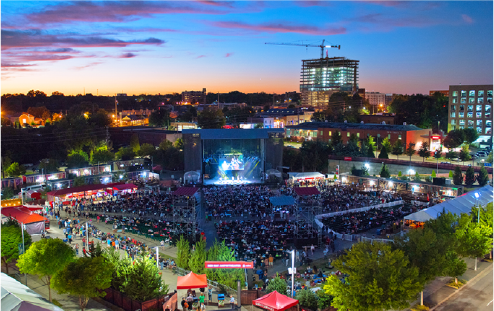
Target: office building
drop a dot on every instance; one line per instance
(444, 92)
(376, 99)
(322, 77)
(470, 106)
(194, 97)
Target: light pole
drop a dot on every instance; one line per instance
(293, 269)
(23, 247)
(477, 196)
(410, 173)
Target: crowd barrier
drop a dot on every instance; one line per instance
(362, 239)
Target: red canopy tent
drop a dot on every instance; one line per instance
(34, 223)
(275, 301)
(192, 280)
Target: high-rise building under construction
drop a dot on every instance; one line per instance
(322, 77)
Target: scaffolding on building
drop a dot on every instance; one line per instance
(308, 205)
(185, 202)
(323, 76)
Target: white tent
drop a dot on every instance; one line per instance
(18, 297)
(459, 205)
(273, 172)
(305, 175)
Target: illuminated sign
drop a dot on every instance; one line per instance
(229, 265)
(435, 137)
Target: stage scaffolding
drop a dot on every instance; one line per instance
(308, 206)
(186, 202)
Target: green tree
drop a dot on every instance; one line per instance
(451, 174)
(221, 252)
(451, 155)
(424, 151)
(464, 154)
(483, 177)
(183, 253)
(179, 144)
(277, 284)
(383, 154)
(198, 257)
(45, 258)
(121, 267)
(7, 193)
(469, 176)
(86, 277)
(15, 170)
(79, 181)
(454, 139)
(49, 165)
(489, 158)
(159, 118)
(102, 156)
(336, 138)
(386, 144)
(146, 150)
(11, 239)
(410, 151)
(417, 177)
(384, 172)
(125, 153)
(211, 118)
(314, 155)
(165, 144)
(324, 299)
(143, 281)
(306, 298)
(95, 251)
(379, 278)
(100, 119)
(475, 240)
(470, 135)
(77, 159)
(134, 143)
(433, 175)
(457, 176)
(397, 148)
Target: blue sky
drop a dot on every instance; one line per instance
(162, 47)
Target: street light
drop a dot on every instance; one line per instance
(410, 173)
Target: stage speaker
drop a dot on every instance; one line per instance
(250, 276)
(439, 181)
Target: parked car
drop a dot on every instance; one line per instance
(445, 162)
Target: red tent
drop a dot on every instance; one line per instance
(36, 195)
(192, 280)
(124, 187)
(275, 301)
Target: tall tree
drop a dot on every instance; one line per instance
(86, 277)
(385, 172)
(378, 278)
(424, 151)
(458, 176)
(483, 177)
(211, 118)
(146, 150)
(470, 135)
(397, 148)
(469, 176)
(15, 170)
(410, 151)
(277, 284)
(454, 139)
(475, 239)
(386, 144)
(464, 154)
(307, 299)
(159, 118)
(45, 258)
(383, 154)
(198, 257)
(183, 253)
(134, 143)
(11, 239)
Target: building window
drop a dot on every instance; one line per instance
(469, 114)
(463, 100)
(461, 114)
(479, 129)
(455, 93)
(488, 123)
(329, 133)
(479, 122)
(478, 115)
(389, 136)
(347, 134)
(399, 137)
(378, 135)
(488, 130)
(453, 127)
(470, 122)
(463, 93)
(471, 100)
(470, 108)
(489, 100)
(321, 132)
(462, 121)
(358, 135)
(489, 93)
(453, 122)
(453, 114)
(455, 100)
(478, 108)
(462, 107)
(480, 100)
(471, 93)
(481, 93)
(461, 127)
(487, 111)
(453, 108)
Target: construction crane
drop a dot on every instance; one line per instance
(322, 46)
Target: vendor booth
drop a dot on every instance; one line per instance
(191, 281)
(35, 223)
(275, 301)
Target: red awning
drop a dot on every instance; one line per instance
(187, 191)
(36, 195)
(77, 189)
(157, 168)
(124, 187)
(192, 280)
(275, 301)
(306, 190)
(22, 214)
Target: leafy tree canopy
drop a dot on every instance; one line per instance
(11, 238)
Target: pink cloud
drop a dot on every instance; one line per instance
(312, 3)
(128, 55)
(285, 27)
(467, 18)
(201, 56)
(228, 54)
(82, 11)
(88, 65)
(216, 3)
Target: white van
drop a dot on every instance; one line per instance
(33, 187)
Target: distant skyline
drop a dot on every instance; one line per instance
(162, 47)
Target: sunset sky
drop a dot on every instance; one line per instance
(162, 47)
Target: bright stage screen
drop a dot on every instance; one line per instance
(232, 163)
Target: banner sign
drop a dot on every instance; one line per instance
(229, 265)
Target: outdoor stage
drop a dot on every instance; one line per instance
(221, 181)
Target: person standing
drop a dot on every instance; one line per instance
(232, 301)
(201, 300)
(210, 294)
(183, 304)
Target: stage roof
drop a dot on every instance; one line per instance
(233, 133)
(282, 200)
(188, 191)
(22, 214)
(306, 190)
(275, 301)
(192, 280)
(459, 205)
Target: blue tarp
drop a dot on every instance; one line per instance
(282, 200)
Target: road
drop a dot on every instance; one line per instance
(476, 296)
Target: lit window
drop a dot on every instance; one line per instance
(470, 108)
(471, 93)
(470, 122)
(462, 107)
(453, 108)
(488, 123)
(347, 134)
(321, 132)
(463, 100)
(463, 93)
(329, 133)
(478, 108)
(478, 115)
(453, 114)
(455, 93)
(481, 93)
(399, 136)
(479, 122)
(358, 134)
(469, 114)
(461, 114)
(488, 130)
(489, 93)
(471, 100)
(480, 100)
(455, 100)
(461, 127)
(389, 136)
(453, 122)
(462, 121)
(479, 129)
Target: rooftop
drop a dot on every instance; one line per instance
(362, 126)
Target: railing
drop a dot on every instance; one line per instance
(362, 239)
(182, 272)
